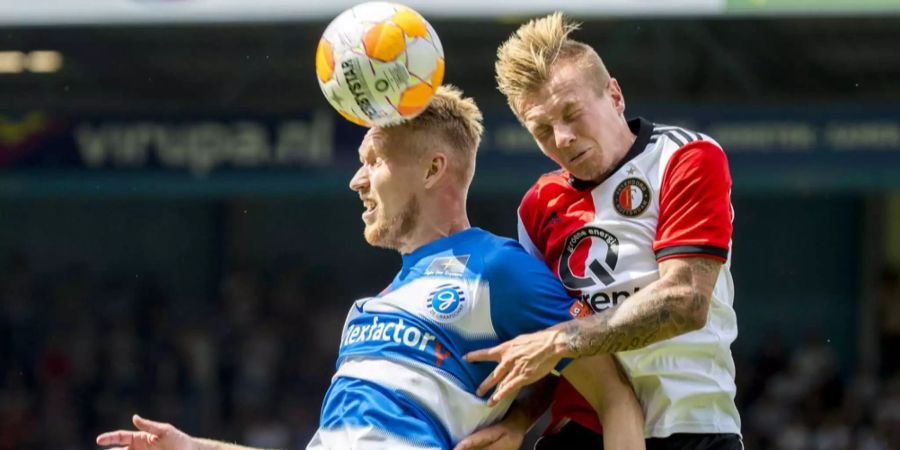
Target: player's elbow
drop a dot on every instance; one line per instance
(693, 311)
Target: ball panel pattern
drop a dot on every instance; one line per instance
(379, 63)
(384, 41)
(411, 22)
(324, 60)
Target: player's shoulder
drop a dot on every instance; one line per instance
(672, 143)
(508, 268)
(493, 246)
(677, 135)
(551, 181)
(673, 138)
(548, 186)
(499, 253)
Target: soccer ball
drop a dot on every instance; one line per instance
(379, 63)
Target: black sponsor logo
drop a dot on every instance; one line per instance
(599, 301)
(594, 269)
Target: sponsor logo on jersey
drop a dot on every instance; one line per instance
(594, 270)
(448, 266)
(446, 303)
(598, 301)
(631, 197)
(393, 330)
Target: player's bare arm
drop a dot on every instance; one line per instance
(160, 436)
(602, 382)
(209, 444)
(675, 304)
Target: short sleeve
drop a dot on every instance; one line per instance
(695, 204)
(525, 296)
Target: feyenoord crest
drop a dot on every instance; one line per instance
(631, 197)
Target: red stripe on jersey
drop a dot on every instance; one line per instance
(551, 211)
(567, 405)
(695, 199)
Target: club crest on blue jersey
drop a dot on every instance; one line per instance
(454, 265)
(446, 303)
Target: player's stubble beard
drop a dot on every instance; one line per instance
(390, 232)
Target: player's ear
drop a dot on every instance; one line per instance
(435, 169)
(614, 91)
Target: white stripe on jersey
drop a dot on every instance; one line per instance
(460, 412)
(680, 136)
(476, 324)
(526, 241)
(359, 438)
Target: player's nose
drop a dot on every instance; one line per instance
(360, 180)
(563, 135)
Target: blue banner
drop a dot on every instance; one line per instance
(769, 148)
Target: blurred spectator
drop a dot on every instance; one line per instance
(889, 316)
(253, 362)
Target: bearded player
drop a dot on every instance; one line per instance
(401, 380)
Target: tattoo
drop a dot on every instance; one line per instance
(675, 304)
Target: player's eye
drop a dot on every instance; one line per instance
(542, 132)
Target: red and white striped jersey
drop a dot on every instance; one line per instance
(670, 197)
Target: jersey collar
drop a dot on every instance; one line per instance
(641, 128)
(437, 246)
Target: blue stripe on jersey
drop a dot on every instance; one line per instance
(517, 291)
(524, 297)
(350, 402)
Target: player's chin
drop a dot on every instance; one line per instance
(371, 234)
(583, 172)
(376, 235)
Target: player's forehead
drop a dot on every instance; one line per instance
(382, 142)
(371, 143)
(562, 92)
(545, 110)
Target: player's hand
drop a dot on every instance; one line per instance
(499, 436)
(150, 435)
(521, 361)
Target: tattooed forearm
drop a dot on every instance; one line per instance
(676, 303)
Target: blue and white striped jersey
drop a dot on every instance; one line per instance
(401, 380)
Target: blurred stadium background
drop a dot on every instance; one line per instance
(177, 238)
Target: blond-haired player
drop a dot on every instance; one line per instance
(637, 224)
(401, 380)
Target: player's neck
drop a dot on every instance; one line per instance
(626, 140)
(438, 221)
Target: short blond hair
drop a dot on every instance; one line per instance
(454, 119)
(526, 59)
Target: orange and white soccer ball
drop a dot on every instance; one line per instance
(379, 63)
